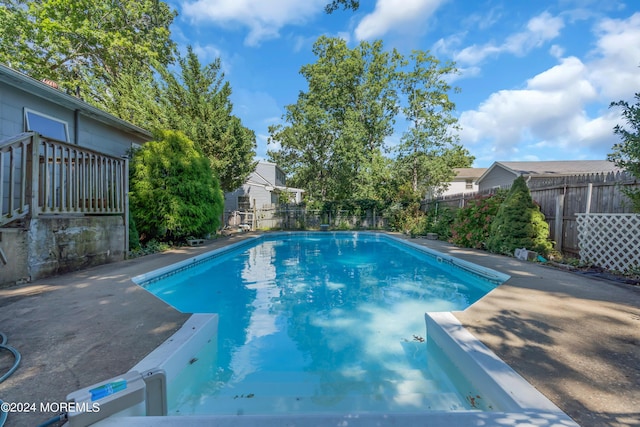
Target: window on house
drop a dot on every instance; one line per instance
(469, 184)
(244, 203)
(46, 125)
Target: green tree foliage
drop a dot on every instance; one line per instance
(428, 150)
(346, 4)
(174, 193)
(337, 128)
(84, 45)
(519, 223)
(196, 101)
(626, 154)
(472, 224)
(198, 104)
(333, 140)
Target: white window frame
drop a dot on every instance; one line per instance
(65, 124)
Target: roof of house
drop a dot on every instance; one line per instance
(46, 91)
(555, 168)
(469, 173)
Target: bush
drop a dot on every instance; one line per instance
(519, 224)
(439, 221)
(134, 237)
(174, 192)
(471, 226)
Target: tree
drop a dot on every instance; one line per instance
(136, 96)
(333, 142)
(519, 223)
(626, 154)
(174, 193)
(195, 100)
(346, 4)
(348, 110)
(84, 45)
(428, 151)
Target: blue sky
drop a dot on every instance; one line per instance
(536, 81)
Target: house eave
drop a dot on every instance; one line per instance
(43, 90)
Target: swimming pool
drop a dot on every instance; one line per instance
(321, 323)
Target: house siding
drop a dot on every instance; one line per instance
(92, 133)
(460, 187)
(105, 139)
(495, 178)
(271, 172)
(12, 114)
(258, 196)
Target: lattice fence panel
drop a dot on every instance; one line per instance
(611, 241)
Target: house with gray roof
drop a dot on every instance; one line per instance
(502, 174)
(265, 189)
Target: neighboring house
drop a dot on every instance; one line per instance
(64, 172)
(264, 189)
(464, 182)
(502, 174)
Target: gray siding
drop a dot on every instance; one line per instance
(497, 177)
(12, 104)
(258, 196)
(92, 133)
(272, 173)
(100, 137)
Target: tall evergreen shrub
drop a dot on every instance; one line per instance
(174, 192)
(519, 223)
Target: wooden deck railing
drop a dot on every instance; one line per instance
(45, 176)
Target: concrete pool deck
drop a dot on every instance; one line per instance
(574, 338)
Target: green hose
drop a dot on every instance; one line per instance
(17, 357)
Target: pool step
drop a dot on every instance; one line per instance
(353, 403)
(268, 392)
(314, 383)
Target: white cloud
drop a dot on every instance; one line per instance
(550, 108)
(539, 30)
(395, 15)
(615, 69)
(563, 110)
(207, 53)
(263, 18)
(556, 51)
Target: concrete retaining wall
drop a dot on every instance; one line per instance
(13, 242)
(54, 245)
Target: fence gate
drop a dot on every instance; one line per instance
(611, 241)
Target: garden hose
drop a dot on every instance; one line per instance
(17, 357)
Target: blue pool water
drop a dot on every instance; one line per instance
(320, 322)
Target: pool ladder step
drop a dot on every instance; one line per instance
(269, 404)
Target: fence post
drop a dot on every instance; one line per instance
(558, 226)
(254, 220)
(34, 177)
(589, 193)
(125, 191)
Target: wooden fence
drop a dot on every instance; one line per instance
(562, 198)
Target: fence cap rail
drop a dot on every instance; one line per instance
(16, 138)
